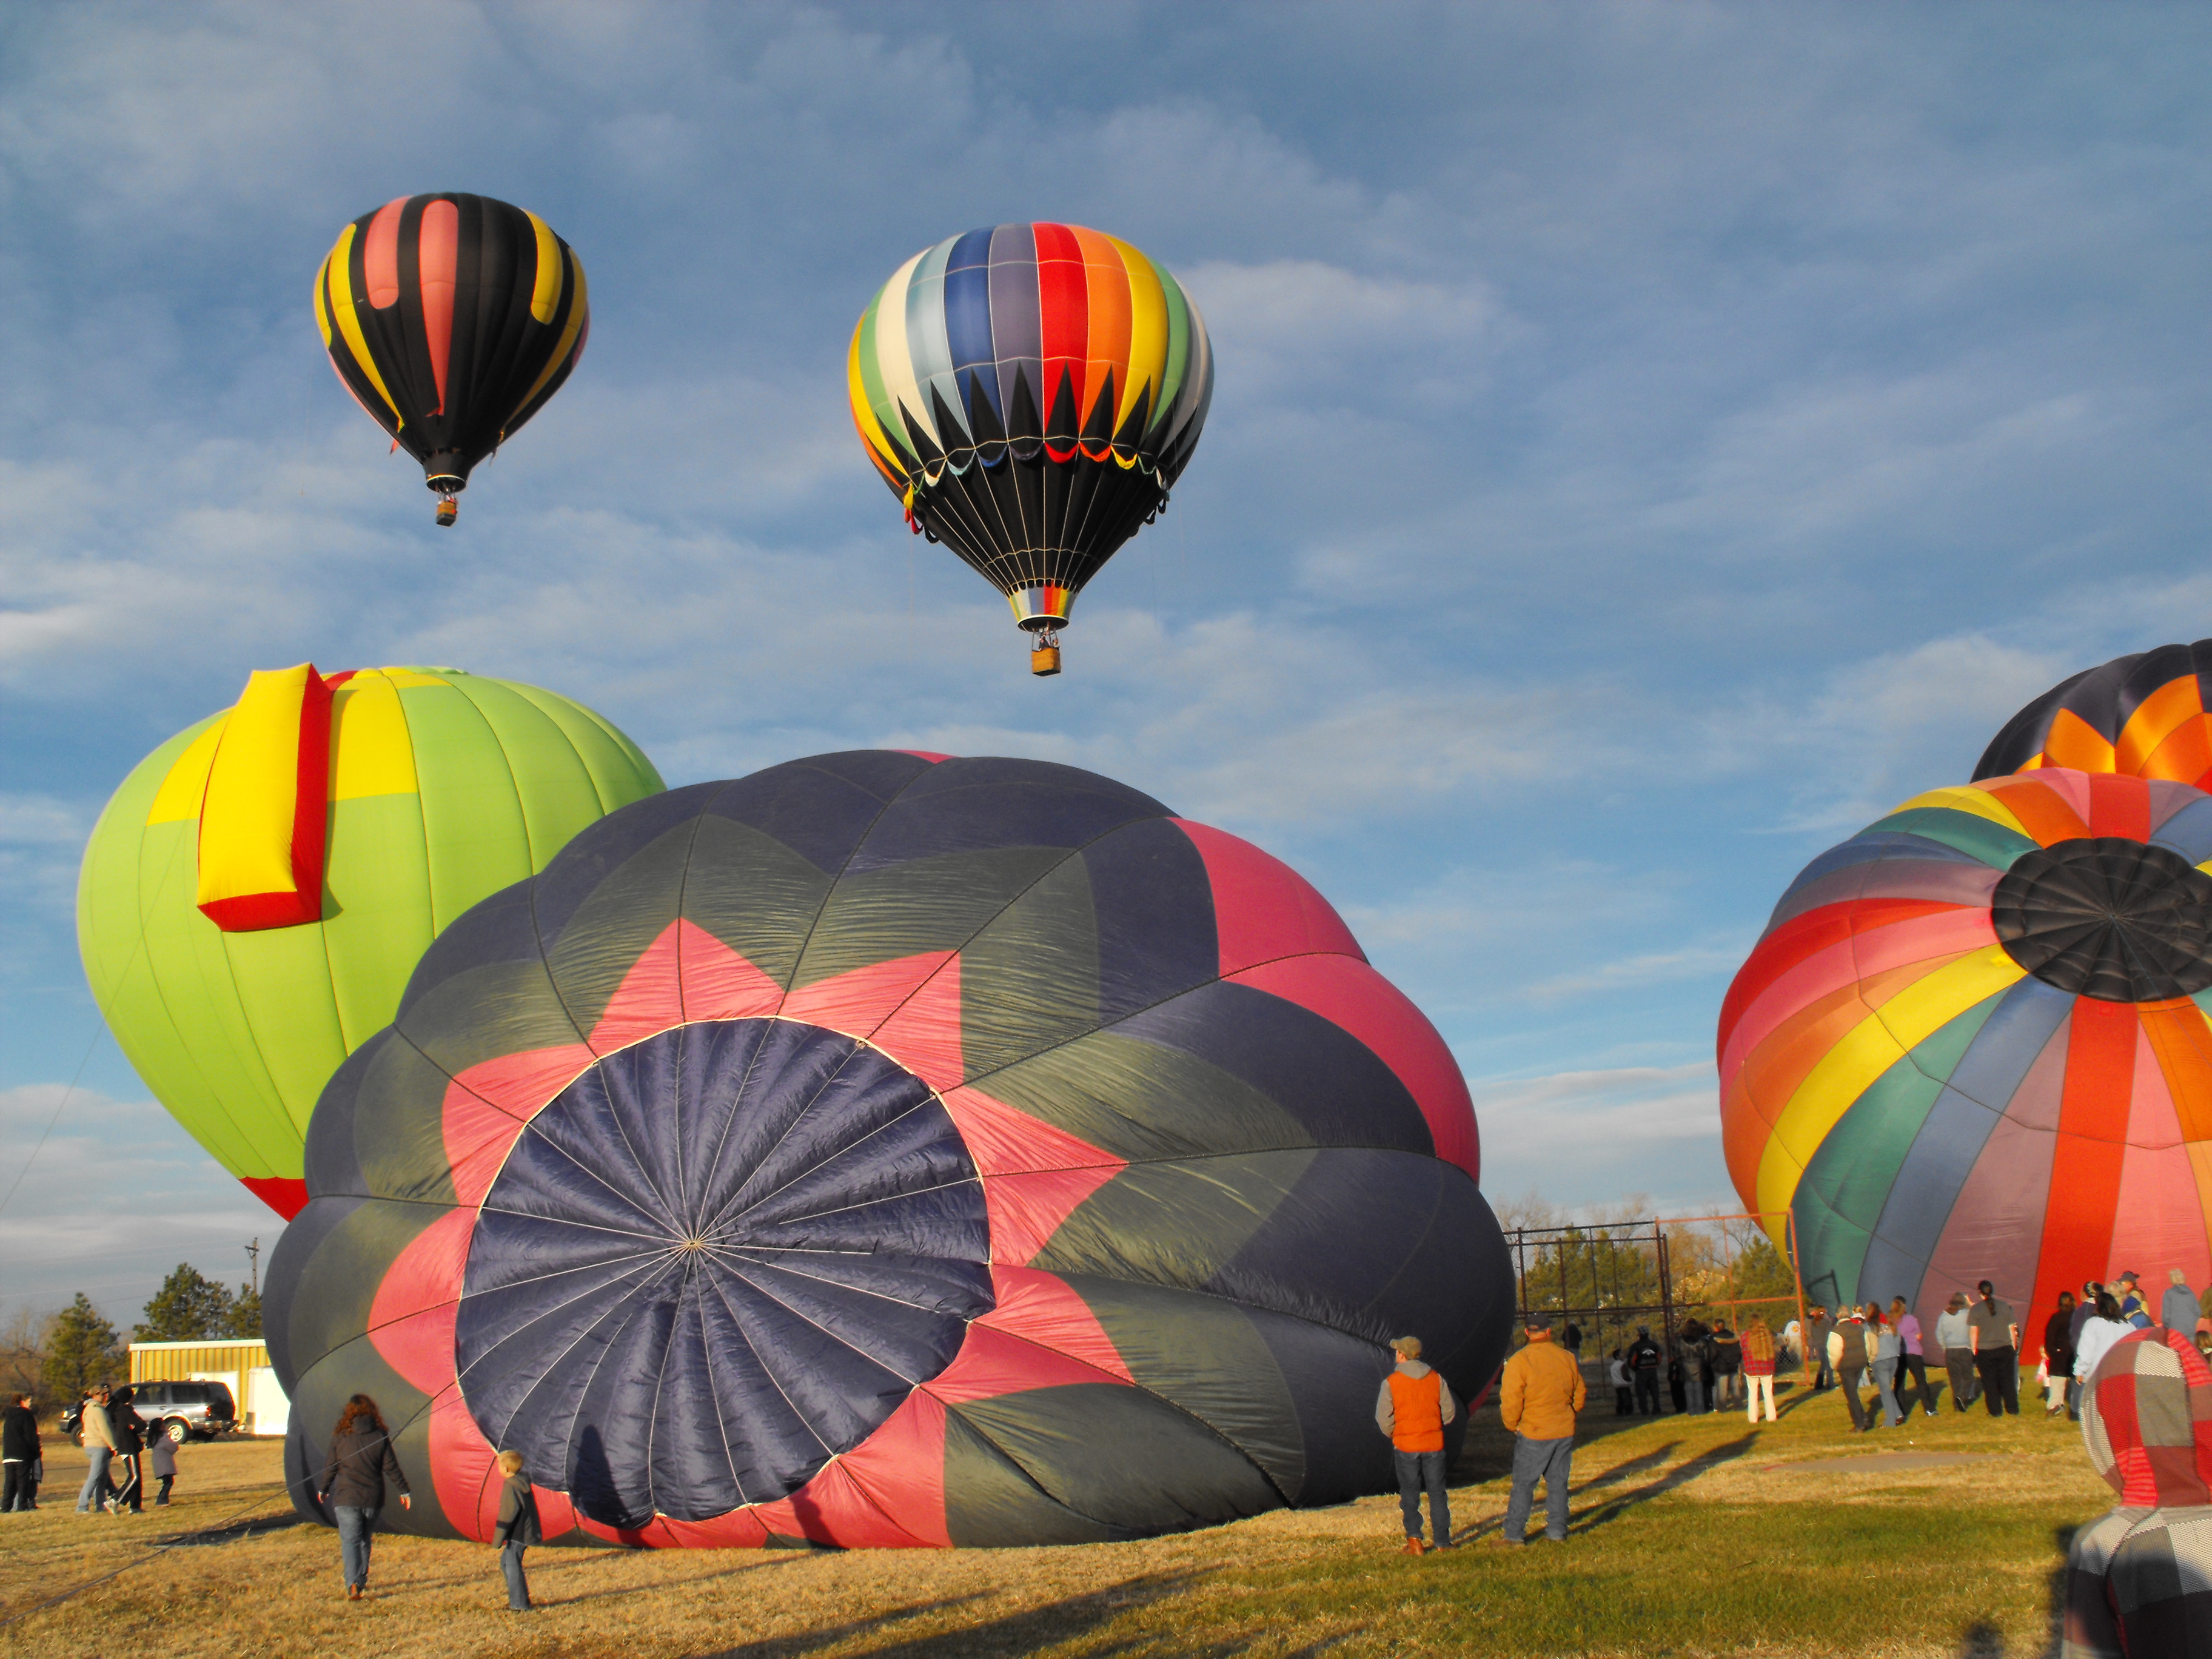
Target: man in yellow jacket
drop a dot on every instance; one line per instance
(1414, 1405)
(1541, 1391)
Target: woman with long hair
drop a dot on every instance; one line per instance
(352, 1482)
(2098, 1333)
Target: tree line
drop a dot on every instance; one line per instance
(57, 1356)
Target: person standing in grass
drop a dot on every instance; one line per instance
(1952, 1337)
(1818, 1328)
(130, 1438)
(161, 1464)
(1888, 1348)
(2058, 1357)
(99, 1451)
(1727, 1351)
(1910, 1361)
(1646, 1362)
(1759, 1363)
(1414, 1405)
(361, 1462)
(1993, 1330)
(1538, 1397)
(1624, 1398)
(517, 1528)
(19, 1452)
(1847, 1356)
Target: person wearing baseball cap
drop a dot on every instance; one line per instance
(1412, 1407)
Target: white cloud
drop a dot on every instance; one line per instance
(115, 1197)
(1585, 1138)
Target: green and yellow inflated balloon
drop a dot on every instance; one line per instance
(256, 894)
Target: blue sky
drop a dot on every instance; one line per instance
(1650, 441)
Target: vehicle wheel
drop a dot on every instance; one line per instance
(175, 1429)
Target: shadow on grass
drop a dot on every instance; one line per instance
(1614, 1507)
(1024, 1631)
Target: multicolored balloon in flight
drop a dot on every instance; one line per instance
(452, 319)
(1030, 393)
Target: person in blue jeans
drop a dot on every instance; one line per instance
(99, 1451)
(1412, 1407)
(518, 1527)
(361, 1462)
(1539, 1394)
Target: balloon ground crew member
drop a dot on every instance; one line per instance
(1414, 1405)
(1540, 1394)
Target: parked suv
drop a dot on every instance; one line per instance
(182, 1411)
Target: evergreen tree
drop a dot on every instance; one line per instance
(188, 1308)
(245, 1318)
(80, 1351)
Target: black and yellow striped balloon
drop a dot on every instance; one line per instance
(452, 319)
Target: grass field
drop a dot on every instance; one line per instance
(1689, 1536)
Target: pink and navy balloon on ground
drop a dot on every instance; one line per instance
(889, 1150)
(1972, 1043)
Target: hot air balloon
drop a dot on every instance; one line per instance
(1030, 393)
(2135, 1577)
(889, 1150)
(2142, 715)
(1971, 1045)
(257, 892)
(452, 319)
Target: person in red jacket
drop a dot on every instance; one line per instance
(1413, 1408)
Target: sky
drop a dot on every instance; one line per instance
(1649, 442)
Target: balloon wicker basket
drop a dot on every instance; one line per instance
(1044, 659)
(448, 510)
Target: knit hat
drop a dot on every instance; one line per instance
(2147, 1420)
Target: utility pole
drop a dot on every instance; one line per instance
(253, 1255)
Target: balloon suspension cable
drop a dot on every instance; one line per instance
(448, 510)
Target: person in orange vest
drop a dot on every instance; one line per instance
(1413, 1408)
(1539, 1395)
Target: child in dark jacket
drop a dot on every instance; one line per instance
(517, 1528)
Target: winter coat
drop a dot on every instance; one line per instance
(163, 1457)
(1541, 1391)
(19, 1435)
(1758, 1343)
(96, 1429)
(360, 1464)
(518, 1513)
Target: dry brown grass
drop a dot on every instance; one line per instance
(1690, 1537)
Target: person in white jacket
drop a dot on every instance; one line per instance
(2098, 1335)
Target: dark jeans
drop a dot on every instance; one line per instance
(1623, 1402)
(517, 1587)
(1695, 1388)
(1417, 1470)
(1959, 1362)
(1551, 1461)
(17, 1490)
(1852, 1378)
(163, 1495)
(1647, 1393)
(354, 1530)
(1917, 1366)
(2000, 1373)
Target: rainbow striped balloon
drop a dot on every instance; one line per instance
(1973, 1044)
(1030, 393)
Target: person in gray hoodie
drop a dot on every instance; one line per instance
(2178, 1309)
